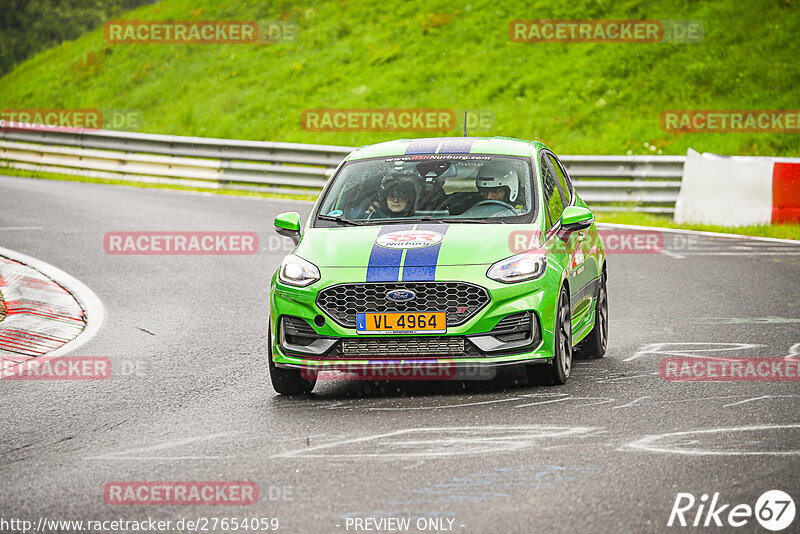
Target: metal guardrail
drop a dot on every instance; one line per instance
(641, 183)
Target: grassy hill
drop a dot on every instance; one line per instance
(577, 98)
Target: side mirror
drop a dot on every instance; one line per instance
(576, 218)
(288, 225)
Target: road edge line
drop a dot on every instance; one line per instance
(702, 232)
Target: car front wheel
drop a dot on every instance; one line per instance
(557, 372)
(287, 381)
(594, 346)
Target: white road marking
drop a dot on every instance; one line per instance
(561, 397)
(603, 380)
(658, 348)
(601, 400)
(753, 253)
(631, 403)
(165, 458)
(699, 232)
(437, 442)
(435, 407)
(650, 443)
(671, 254)
(708, 398)
(746, 400)
(751, 320)
(20, 227)
(543, 402)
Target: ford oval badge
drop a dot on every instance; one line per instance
(400, 295)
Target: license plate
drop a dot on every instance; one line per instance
(401, 323)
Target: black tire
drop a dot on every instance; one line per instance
(594, 345)
(557, 371)
(287, 381)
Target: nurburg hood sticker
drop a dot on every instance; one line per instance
(409, 239)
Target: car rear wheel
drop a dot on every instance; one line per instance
(287, 381)
(594, 346)
(556, 372)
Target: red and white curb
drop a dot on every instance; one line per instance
(48, 311)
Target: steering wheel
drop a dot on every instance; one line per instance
(500, 203)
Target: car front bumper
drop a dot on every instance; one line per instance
(483, 348)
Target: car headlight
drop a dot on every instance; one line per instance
(296, 271)
(526, 266)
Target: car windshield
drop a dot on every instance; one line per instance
(465, 188)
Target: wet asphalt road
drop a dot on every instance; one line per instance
(191, 399)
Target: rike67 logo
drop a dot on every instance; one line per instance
(774, 510)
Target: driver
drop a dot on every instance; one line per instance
(396, 198)
(497, 182)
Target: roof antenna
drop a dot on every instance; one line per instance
(465, 123)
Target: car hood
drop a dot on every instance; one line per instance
(414, 245)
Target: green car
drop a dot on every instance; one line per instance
(451, 252)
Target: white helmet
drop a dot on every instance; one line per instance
(491, 176)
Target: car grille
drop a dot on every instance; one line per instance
(376, 348)
(459, 300)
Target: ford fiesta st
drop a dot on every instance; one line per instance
(451, 251)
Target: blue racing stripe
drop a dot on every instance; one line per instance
(424, 146)
(384, 263)
(456, 145)
(420, 263)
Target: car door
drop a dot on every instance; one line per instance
(588, 236)
(558, 242)
(586, 269)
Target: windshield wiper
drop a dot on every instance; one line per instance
(340, 219)
(423, 218)
(439, 220)
(479, 221)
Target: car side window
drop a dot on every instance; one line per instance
(563, 181)
(552, 193)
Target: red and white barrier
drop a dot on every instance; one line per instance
(738, 190)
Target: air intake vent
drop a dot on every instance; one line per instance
(405, 347)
